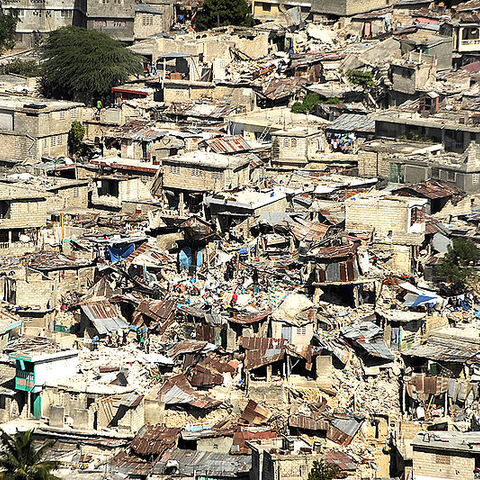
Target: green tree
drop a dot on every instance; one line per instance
(75, 136)
(323, 471)
(220, 13)
(458, 263)
(85, 64)
(8, 27)
(27, 68)
(361, 78)
(20, 460)
(310, 101)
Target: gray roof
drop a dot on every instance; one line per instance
(146, 8)
(368, 336)
(353, 122)
(213, 464)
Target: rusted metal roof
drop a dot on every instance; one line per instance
(147, 255)
(243, 435)
(104, 316)
(342, 430)
(443, 349)
(162, 312)
(232, 144)
(280, 88)
(177, 390)
(154, 439)
(254, 414)
(308, 423)
(309, 231)
(336, 253)
(341, 460)
(430, 189)
(187, 346)
(128, 464)
(249, 318)
(261, 351)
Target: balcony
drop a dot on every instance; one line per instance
(24, 380)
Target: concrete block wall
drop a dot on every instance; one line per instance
(443, 464)
(382, 216)
(373, 164)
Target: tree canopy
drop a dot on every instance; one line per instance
(220, 13)
(310, 101)
(20, 460)
(458, 263)
(323, 471)
(8, 27)
(85, 64)
(361, 78)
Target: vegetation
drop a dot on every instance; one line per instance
(26, 68)
(8, 27)
(85, 64)
(323, 471)
(458, 263)
(219, 13)
(310, 101)
(21, 461)
(75, 136)
(361, 78)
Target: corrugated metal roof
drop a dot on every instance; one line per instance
(430, 189)
(177, 390)
(254, 414)
(352, 122)
(242, 435)
(249, 318)
(447, 350)
(209, 464)
(154, 439)
(370, 338)
(104, 316)
(233, 144)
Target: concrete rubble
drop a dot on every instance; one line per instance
(265, 255)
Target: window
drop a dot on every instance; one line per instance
(60, 140)
(196, 172)
(266, 7)
(451, 176)
(66, 13)
(119, 24)
(73, 397)
(100, 23)
(217, 175)
(45, 142)
(417, 215)
(76, 192)
(147, 19)
(53, 141)
(62, 115)
(301, 330)
(294, 143)
(286, 143)
(475, 178)
(175, 169)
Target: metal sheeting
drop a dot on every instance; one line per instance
(154, 439)
(233, 144)
(104, 316)
(352, 122)
(369, 337)
(447, 350)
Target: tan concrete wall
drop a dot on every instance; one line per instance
(443, 464)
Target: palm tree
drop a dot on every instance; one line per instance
(20, 460)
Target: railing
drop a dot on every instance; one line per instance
(25, 375)
(471, 42)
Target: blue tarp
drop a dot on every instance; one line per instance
(116, 254)
(185, 258)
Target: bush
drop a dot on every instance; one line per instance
(26, 68)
